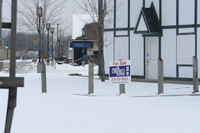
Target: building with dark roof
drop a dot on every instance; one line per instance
(144, 31)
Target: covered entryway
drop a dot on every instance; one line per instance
(151, 58)
(148, 25)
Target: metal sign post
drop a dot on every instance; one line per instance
(11, 82)
(122, 89)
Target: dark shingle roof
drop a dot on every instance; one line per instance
(151, 20)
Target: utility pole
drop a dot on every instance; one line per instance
(52, 60)
(1, 41)
(58, 46)
(41, 68)
(100, 38)
(39, 15)
(48, 27)
(1, 21)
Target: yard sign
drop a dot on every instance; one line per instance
(119, 71)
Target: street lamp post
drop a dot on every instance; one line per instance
(41, 68)
(58, 42)
(52, 31)
(39, 15)
(48, 27)
(84, 39)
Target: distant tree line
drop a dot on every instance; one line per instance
(26, 42)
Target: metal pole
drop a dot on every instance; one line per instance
(195, 75)
(160, 76)
(41, 66)
(60, 43)
(13, 38)
(121, 89)
(52, 51)
(91, 78)
(57, 41)
(43, 74)
(48, 46)
(48, 27)
(12, 91)
(39, 28)
(1, 41)
(0, 20)
(99, 37)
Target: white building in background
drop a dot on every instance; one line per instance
(144, 30)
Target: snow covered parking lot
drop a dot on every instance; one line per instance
(66, 107)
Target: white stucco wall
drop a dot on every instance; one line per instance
(137, 55)
(169, 49)
(175, 49)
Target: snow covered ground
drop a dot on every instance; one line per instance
(66, 107)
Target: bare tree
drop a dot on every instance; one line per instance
(51, 13)
(98, 10)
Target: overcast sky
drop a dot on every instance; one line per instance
(71, 8)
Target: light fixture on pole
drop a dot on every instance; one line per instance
(39, 11)
(52, 57)
(48, 27)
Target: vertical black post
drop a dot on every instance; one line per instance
(100, 39)
(52, 60)
(0, 20)
(52, 48)
(195, 75)
(121, 89)
(1, 41)
(57, 42)
(48, 27)
(39, 38)
(91, 78)
(48, 46)
(12, 91)
(160, 76)
(99, 36)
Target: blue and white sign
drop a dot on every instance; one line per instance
(120, 72)
(81, 45)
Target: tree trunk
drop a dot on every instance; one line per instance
(101, 41)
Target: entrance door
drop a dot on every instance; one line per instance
(151, 58)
